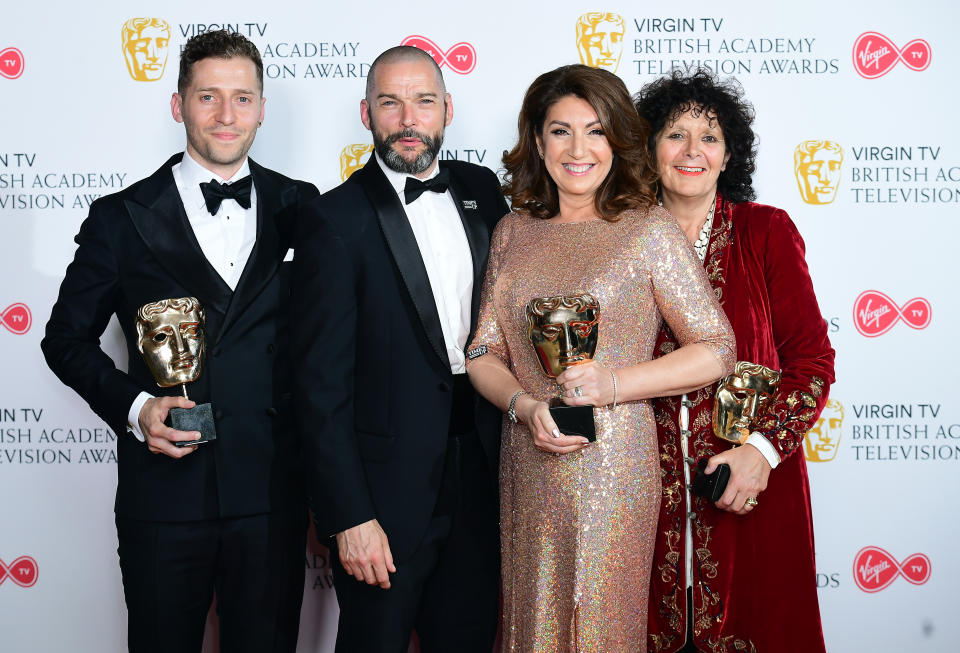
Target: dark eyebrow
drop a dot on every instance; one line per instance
(243, 91)
(567, 125)
(396, 97)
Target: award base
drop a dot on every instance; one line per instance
(198, 418)
(575, 420)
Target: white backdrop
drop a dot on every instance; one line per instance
(76, 125)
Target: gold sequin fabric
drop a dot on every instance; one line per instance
(578, 530)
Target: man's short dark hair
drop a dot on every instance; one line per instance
(396, 54)
(221, 44)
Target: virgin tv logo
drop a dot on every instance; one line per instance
(874, 313)
(460, 57)
(23, 571)
(17, 318)
(11, 63)
(874, 55)
(874, 569)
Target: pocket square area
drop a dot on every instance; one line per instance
(469, 204)
(289, 256)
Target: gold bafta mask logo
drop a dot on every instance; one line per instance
(600, 39)
(823, 440)
(170, 337)
(145, 45)
(352, 158)
(817, 166)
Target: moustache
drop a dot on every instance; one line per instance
(409, 132)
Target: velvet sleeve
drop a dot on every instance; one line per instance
(800, 337)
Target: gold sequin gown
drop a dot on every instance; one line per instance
(578, 530)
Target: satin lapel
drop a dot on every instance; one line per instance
(268, 252)
(158, 216)
(406, 254)
(478, 236)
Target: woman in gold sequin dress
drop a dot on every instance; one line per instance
(578, 519)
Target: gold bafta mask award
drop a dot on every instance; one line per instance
(741, 397)
(170, 337)
(563, 330)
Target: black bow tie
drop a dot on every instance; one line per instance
(415, 188)
(214, 193)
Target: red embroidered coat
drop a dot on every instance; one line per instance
(754, 580)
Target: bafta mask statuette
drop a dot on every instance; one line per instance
(171, 340)
(563, 330)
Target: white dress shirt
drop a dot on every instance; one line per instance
(226, 238)
(446, 255)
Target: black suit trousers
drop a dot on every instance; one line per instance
(447, 591)
(254, 565)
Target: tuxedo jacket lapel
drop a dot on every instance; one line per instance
(268, 252)
(477, 236)
(158, 216)
(406, 254)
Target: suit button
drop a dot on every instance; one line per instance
(443, 386)
(272, 412)
(271, 348)
(218, 414)
(216, 352)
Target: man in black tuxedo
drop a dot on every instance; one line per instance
(401, 452)
(228, 515)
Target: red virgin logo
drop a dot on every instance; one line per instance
(16, 318)
(874, 569)
(874, 313)
(11, 63)
(461, 57)
(23, 571)
(874, 55)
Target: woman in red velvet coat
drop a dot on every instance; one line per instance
(738, 574)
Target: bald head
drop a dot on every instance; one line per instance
(400, 54)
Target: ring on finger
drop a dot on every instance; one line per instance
(578, 391)
(752, 501)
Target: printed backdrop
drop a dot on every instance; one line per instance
(855, 117)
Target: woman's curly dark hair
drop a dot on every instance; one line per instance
(666, 99)
(630, 182)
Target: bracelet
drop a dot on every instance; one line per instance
(511, 413)
(614, 390)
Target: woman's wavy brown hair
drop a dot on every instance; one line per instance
(630, 182)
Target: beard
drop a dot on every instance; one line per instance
(396, 162)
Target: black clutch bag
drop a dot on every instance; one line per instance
(575, 420)
(710, 486)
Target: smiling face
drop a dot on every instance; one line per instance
(575, 150)
(221, 110)
(690, 154)
(406, 112)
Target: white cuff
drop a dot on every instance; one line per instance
(768, 450)
(133, 417)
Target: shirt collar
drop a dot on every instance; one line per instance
(399, 179)
(193, 173)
